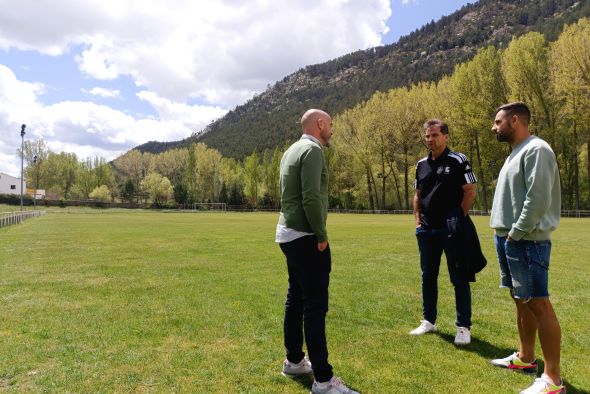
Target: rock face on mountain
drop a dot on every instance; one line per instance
(271, 118)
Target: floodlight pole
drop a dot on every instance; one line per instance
(36, 175)
(22, 158)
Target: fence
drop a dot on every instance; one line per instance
(8, 218)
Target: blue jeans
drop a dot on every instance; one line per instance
(431, 243)
(307, 303)
(524, 267)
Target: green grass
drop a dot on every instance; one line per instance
(136, 301)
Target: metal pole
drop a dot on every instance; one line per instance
(35, 194)
(22, 157)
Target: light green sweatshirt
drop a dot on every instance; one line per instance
(304, 189)
(527, 200)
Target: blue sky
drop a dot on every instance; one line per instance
(98, 77)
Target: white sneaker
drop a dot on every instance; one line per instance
(333, 386)
(302, 368)
(424, 327)
(543, 385)
(463, 336)
(514, 362)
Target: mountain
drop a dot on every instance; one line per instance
(272, 118)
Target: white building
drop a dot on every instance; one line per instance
(10, 184)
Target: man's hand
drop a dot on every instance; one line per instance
(322, 246)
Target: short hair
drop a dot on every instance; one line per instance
(517, 108)
(444, 128)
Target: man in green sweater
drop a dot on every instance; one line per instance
(525, 211)
(301, 234)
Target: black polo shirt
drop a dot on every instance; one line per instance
(441, 183)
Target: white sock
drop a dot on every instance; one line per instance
(547, 378)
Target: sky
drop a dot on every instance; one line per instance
(99, 77)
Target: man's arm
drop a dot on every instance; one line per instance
(468, 197)
(540, 172)
(311, 171)
(416, 204)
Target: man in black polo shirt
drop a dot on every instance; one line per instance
(444, 189)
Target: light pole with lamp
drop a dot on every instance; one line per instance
(35, 158)
(22, 158)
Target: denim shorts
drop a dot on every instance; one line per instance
(524, 266)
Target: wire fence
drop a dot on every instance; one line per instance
(10, 218)
(473, 212)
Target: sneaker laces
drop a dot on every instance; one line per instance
(339, 383)
(544, 383)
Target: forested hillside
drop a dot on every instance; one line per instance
(271, 118)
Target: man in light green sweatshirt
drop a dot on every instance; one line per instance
(525, 211)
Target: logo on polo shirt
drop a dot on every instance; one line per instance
(446, 170)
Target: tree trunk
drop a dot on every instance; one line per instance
(481, 173)
(371, 203)
(396, 184)
(383, 176)
(406, 187)
(576, 167)
(375, 194)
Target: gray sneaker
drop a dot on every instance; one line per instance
(463, 336)
(333, 386)
(302, 368)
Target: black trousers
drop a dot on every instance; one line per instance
(307, 303)
(431, 243)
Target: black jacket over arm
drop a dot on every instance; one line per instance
(464, 245)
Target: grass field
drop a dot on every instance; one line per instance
(132, 301)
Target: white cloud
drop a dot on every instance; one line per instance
(215, 52)
(220, 51)
(86, 128)
(104, 93)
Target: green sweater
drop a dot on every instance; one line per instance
(304, 189)
(528, 196)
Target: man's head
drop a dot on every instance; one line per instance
(512, 123)
(436, 134)
(318, 124)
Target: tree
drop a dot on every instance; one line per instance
(190, 176)
(407, 116)
(352, 132)
(101, 193)
(87, 180)
(477, 90)
(252, 177)
(271, 170)
(526, 68)
(62, 170)
(35, 156)
(132, 167)
(158, 188)
(569, 59)
(180, 194)
(128, 191)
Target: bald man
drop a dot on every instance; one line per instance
(303, 239)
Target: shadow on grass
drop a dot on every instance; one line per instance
(304, 380)
(489, 351)
(483, 348)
